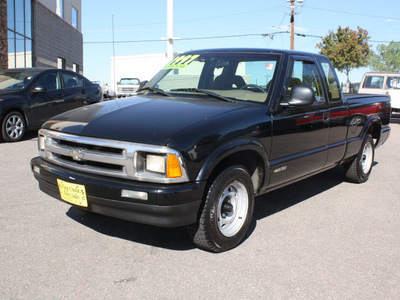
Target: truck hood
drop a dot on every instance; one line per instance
(141, 119)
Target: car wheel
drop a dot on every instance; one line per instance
(359, 169)
(13, 127)
(227, 211)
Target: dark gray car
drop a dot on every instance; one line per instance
(29, 97)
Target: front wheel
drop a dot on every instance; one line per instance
(359, 169)
(13, 127)
(227, 211)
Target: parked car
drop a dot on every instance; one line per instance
(127, 87)
(104, 88)
(212, 130)
(382, 83)
(31, 96)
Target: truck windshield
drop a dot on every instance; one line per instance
(129, 81)
(237, 76)
(12, 80)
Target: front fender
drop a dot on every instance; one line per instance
(231, 148)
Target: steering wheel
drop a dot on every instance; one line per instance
(253, 87)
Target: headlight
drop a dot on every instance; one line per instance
(155, 163)
(41, 140)
(160, 165)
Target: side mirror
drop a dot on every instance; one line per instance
(142, 84)
(301, 95)
(39, 89)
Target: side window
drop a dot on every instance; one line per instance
(50, 81)
(393, 82)
(305, 73)
(373, 82)
(331, 81)
(71, 80)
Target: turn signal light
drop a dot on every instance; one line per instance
(173, 167)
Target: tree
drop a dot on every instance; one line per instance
(347, 49)
(387, 59)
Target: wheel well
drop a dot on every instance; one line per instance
(375, 131)
(250, 160)
(11, 110)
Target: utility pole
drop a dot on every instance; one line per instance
(292, 13)
(291, 24)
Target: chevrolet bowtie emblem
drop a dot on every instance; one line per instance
(77, 155)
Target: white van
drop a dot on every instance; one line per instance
(382, 83)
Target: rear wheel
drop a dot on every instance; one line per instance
(13, 127)
(227, 211)
(359, 169)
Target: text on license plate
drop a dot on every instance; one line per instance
(72, 193)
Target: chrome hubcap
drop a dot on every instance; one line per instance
(232, 208)
(367, 157)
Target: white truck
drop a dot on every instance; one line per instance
(382, 83)
(127, 87)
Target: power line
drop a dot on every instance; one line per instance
(351, 13)
(222, 37)
(190, 20)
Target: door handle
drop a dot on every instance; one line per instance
(327, 117)
(84, 92)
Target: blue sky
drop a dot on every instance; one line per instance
(195, 22)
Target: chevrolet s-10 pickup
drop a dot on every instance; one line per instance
(212, 130)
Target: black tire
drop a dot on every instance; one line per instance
(227, 211)
(13, 127)
(359, 169)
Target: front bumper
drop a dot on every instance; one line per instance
(167, 205)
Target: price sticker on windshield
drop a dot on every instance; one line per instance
(181, 62)
(269, 66)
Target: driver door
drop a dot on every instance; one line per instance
(43, 104)
(300, 134)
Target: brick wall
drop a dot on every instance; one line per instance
(3, 35)
(55, 38)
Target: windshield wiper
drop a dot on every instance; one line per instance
(156, 90)
(215, 95)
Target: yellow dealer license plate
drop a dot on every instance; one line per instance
(72, 193)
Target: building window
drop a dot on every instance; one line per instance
(75, 68)
(61, 63)
(19, 25)
(74, 18)
(60, 8)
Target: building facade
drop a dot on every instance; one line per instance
(41, 33)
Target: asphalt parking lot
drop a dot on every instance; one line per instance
(321, 238)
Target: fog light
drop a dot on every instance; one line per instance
(134, 195)
(36, 169)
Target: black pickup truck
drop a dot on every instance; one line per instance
(212, 130)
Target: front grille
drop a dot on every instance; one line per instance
(91, 155)
(128, 89)
(104, 156)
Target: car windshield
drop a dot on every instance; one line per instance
(129, 81)
(96, 82)
(230, 75)
(16, 80)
